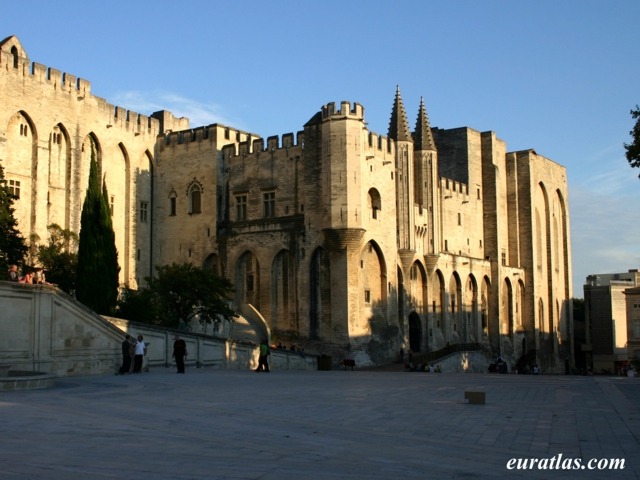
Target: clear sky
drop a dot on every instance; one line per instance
(558, 76)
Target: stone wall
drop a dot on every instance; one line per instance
(44, 330)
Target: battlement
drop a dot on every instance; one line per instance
(256, 145)
(213, 132)
(329, 110)
(448, 187)
(381, 143)
(14, 61)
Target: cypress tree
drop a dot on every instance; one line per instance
(12, 245)
(97, 271)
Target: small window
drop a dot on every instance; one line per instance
(269, 204)
(459, 218)
(172, 206)
(367, 296)
(14, 188)
(112, 203)
(144, 209)
(241, 207)
(504, 258)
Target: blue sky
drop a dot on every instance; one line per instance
(558, 76)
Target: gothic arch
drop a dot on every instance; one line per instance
(471, 324)
(403, 299)
(519, 318)
(116, 176)
(21, 157)
(282, 291)
(59, 172)
(320, 325)
(194, 194)
(545, 236)
(438, 310)
(373, 275)
(485, 307)
(247, 283)
(506, 308)
(80, 170)
(455, 307)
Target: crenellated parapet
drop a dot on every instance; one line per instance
(14, 62)
(450, 187)
(346, 110)
(273, 146)
(380, 144)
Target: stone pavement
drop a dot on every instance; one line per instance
(232, 424)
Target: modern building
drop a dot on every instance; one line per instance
(610, 317)
(337, 238)
(633, 323)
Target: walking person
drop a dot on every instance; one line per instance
(179, 352)
(139, 355)
(263, 359)
(127, 350)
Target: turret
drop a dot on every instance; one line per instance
(426, 176)
(399, 131)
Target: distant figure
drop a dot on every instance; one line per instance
(179, 352)
(26, 278)
(12, 274)
(139, 355)
(536, 369)
(127, 350)
(263, 359)
(39, 277)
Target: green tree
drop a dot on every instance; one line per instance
(97, 270)
(633, 148)
(59, 257)
(178, 294)
(13, 247)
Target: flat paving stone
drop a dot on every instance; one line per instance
(362, 424)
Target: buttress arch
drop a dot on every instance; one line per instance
(20, 156)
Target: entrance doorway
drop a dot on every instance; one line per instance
(415, 332)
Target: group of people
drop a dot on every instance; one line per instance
(33, 275)
(134, 350)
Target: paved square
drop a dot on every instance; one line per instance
(231, 424)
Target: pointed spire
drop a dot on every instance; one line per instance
(398, 126)
(422, 137)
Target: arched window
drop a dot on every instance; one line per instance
(172, 203)
(375, 202)
(195, 198)
(14, 53)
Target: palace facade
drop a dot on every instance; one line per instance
(337, 238)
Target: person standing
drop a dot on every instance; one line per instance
(12, 274)
(179, 352)
(127, 347)
(263, 359)
(139, 355)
